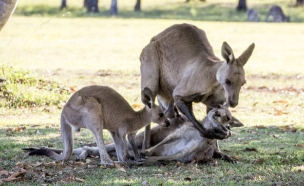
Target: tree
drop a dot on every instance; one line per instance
(187, 1)
(91, 5)
(113, 8)
(63, 4)
(300, 3)
(137, 6)
(242, 6)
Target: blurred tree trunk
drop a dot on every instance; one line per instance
(187, 1)
(113, 8)
(137, 6)
(242, 5)
(91, 5)
(63, 4)
(300, 2)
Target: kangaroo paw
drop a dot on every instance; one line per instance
(229, 159)
(218, 133)
(108, 163)
(145, 153)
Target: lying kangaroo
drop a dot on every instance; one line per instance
(100, 107)
(252, 15)
(277, 14)
(7, 8)
(180, 141)
(180, 68)
(196, 147)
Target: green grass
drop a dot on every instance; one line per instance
(21, 87)
(218, 10)
(79, 51)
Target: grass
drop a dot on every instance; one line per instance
(79, 51)
(217, 10)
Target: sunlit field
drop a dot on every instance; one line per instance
(104, 50)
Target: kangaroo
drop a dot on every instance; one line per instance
(180, 141)
(180, 68)
(277, 14)
(252, 15)
(7, 8)
(100, 107)
(186, 144)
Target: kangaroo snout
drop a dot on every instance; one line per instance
(166, 123)
(233, 103)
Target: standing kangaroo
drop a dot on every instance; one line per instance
(277, 14)
(180, 141)
(180, 68)
(100, 107)
(7, 8)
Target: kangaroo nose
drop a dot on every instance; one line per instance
(167, 123)
(228, 118)
(233, 104)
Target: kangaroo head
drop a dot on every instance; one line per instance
(157, 115)
(231, 74)
(219, 115)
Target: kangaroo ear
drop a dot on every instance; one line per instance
(227, 53)
(235, 122)
(246, 55)
(147, 97)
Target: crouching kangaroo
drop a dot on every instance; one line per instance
(252, 15)
(180, 141)
(277, 14)
(180, 68)
(100, 107)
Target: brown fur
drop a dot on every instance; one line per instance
(180, 68)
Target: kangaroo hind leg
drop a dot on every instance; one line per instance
(93, 120)
(149, 68)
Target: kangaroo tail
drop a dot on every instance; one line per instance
(45, 152)
(67, 138)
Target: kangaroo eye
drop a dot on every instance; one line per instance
(228, 82)
(161, 115)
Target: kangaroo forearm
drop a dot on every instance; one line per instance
(186, 108)
(147, 138)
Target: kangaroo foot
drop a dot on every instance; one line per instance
(145, 153)
(220, 133)
(108, 163)
(224, 157)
